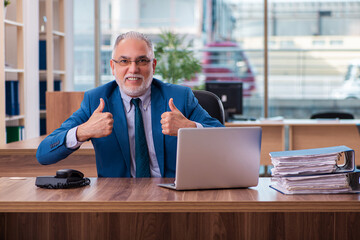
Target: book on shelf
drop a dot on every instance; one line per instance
(42, 126)
(42, 55)
(315, 171)
(12, 97)
(14, 133)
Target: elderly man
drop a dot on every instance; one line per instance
(132, 121)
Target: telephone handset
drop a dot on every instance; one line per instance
(65, 178)
(69, 173)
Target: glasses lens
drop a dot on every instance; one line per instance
(123, 62)
(142, 62)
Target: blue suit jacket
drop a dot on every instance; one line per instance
(113, 152)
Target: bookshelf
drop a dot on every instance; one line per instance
(18, 68)
(12, 67)
(52, 54)
(52, 14)
(20, 33)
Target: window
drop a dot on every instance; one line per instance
(306, 78)
(83, 45)
(311, 46)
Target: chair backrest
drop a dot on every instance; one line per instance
(211, 103)
(59, 107)
(339, 115)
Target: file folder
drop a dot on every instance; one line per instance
(318, 184)
(313, 161)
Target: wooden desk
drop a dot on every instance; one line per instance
(114, 208)
(305, 134)
(273, 136)
(19, 159)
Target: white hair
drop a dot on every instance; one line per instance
(135, 35)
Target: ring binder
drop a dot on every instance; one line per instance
(313, 161)
(315, 171)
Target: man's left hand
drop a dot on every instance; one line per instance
(173, 120)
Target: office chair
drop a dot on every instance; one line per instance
(211, 103)
(339, 115)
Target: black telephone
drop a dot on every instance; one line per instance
(65, 178)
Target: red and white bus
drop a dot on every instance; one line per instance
(226, 61)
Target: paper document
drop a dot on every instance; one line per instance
(318, 184)
(315, 171)
(312, 161)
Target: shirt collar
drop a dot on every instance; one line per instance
(145, 100)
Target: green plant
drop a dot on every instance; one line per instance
(6, 2)
(175, 61)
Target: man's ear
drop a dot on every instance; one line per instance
(154, 65)
(112, 67)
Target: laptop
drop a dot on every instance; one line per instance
(213, 158)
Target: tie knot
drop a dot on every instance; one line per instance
(136, 102)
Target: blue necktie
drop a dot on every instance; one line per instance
(141, 150)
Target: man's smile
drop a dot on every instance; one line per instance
(133, 78)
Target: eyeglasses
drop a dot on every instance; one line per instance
(125, 62)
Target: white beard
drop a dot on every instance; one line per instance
(135, 92)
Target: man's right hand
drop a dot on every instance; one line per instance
(99, 124)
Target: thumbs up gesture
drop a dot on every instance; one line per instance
(173, 120)
(99, 124)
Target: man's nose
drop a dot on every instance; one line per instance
(133, 67)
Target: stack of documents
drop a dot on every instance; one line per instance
(315, 171)
(328, 183)
(309, 163)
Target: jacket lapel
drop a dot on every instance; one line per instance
(120, 124)
(158, 106)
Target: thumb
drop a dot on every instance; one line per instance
(101, 106)
(172, 105)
